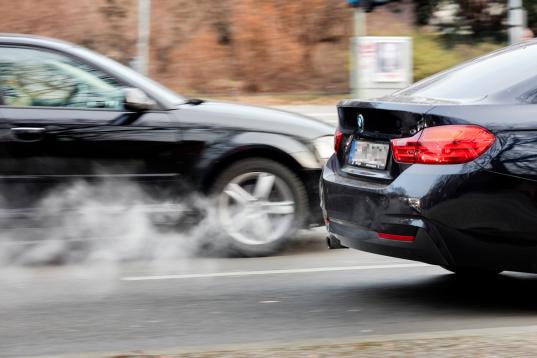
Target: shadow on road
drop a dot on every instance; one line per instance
(513, 293)
(307, 241)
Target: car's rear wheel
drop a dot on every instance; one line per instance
(261, 204)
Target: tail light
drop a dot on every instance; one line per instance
(451, 144)
(394, 237)
(337, 140)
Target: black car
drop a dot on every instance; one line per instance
(444, 171)
(69, 114)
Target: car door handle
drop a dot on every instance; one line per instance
(28, 133)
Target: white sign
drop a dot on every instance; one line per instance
(384, 65)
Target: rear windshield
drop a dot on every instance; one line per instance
(476, 79)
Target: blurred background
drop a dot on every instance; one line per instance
(276, 47)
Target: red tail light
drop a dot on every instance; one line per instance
(406, 238)
(337, 140)
(451, 144)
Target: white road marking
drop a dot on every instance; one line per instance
(270, 272)
(269, 301)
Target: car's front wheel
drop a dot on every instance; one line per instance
(261, 204)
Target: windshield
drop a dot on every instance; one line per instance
(479, 78)
(129, 74)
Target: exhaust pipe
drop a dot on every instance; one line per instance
(333, 243)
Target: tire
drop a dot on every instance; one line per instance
(473, 272)
(254, 206)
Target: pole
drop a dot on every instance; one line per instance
(359, 26)
(516, 21)
(359, 22)
(144, 16)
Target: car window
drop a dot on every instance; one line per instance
(124, 72)
(479, 78)
(31, 77)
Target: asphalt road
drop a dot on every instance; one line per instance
(307, 293)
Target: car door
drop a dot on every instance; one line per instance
(63, 120)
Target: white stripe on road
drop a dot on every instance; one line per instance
(270, 272)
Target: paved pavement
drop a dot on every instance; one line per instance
(307, 293)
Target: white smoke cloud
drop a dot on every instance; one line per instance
(110, 222)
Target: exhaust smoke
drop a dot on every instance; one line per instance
(108, 222)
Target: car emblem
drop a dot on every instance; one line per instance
(360, 122)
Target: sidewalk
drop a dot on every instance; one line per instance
(492, 342)
(325, 113)
(284, 99)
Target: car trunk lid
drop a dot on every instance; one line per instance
(367, 128)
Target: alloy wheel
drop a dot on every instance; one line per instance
(256, 208)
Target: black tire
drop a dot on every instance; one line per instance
(473, 272)
(296, 187)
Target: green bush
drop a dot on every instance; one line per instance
(431, 55)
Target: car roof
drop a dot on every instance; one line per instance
(504, 74)
(96, 59)
(35, 40)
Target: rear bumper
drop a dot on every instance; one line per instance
(422, 248)
(449, 221)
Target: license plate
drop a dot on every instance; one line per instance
(368, 154)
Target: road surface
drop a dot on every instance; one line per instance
(307, 293)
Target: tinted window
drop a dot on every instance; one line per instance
(30, 77)
(142, 82)
(474, 80)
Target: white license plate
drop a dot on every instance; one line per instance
(368, 154)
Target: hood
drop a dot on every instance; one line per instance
(253, 118)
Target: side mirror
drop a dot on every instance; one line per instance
(137, 100)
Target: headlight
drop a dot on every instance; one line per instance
(324, 147)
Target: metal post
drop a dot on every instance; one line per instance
(144, 15)
(359, 25)
(516, 21)
(359, 22)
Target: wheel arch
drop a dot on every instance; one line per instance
(250, 151)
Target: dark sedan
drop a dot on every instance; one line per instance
(67, 113)
(443, 172)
